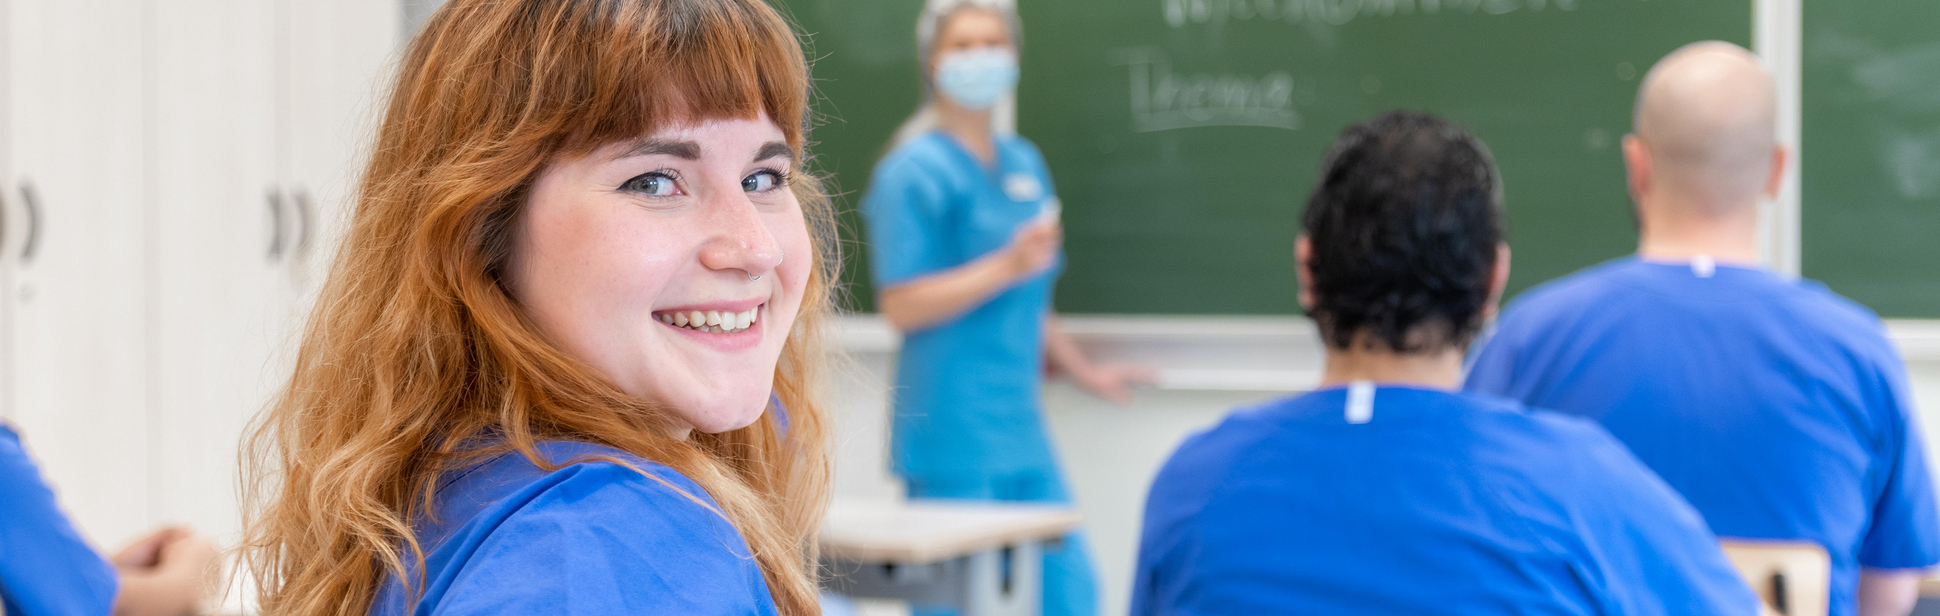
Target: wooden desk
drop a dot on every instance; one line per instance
(1930, 586)
(1792, 578)
(984, 558)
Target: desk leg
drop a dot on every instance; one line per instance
(975, 584)
(991, 593)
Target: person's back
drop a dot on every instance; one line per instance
(1439, 503)
(1386, 491)
(1775, 407)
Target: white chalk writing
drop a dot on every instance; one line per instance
(1163, 100)
(1181, 13)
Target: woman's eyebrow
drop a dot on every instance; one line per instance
(687, 150)
(775, 149)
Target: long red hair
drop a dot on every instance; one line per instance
(415, 350)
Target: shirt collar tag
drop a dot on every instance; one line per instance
(1360, 402)
(1703, 266)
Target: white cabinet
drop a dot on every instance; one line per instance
(75, 184)
(215, 268)
(337, 63)
(182, 163)
(260, 120)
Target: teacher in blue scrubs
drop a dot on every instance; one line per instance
(1387, 491)
(964, 239)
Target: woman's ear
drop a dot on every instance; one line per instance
(1498, 281)
(1303, 252)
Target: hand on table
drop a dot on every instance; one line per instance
(1114, 381)
(168, 573)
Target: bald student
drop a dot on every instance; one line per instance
(1776, 407)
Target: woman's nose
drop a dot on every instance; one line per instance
(741, 240)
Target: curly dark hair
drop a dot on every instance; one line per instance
(1404, 225)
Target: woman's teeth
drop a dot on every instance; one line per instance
(712, 321)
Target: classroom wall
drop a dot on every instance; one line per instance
(1926, 396)
(1110, 453)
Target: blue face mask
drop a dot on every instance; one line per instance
(976, 78)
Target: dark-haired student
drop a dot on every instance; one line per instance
(1386, 491)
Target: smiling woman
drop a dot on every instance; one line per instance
(549, 370)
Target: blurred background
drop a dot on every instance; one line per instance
(172, 176)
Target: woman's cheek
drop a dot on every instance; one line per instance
(797, 253)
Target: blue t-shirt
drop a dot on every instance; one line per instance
(1435, 503)
(593, 537)
(1778, 409)
(46, 568)
(966, 397)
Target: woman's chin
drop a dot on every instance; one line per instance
(727, 416)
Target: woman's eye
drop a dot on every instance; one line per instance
(762, 181)
(654, 184)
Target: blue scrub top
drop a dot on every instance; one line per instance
(46, 568)
(1777, 408)
(593, 537)
(966, 397)
(1439, 503)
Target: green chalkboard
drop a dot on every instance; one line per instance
(863, 56)
(1870, 139)
(1184, 135)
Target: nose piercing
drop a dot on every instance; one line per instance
(779, 255)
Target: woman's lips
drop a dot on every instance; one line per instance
(723, 331)
(711, 321)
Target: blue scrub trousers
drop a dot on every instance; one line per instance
(1069, 586)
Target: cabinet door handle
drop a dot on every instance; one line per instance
(31, 199)
(305, 214)
(274, 198)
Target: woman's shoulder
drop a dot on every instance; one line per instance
(610, 530)
(595, 483)
(581, 489)
(601, 492)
